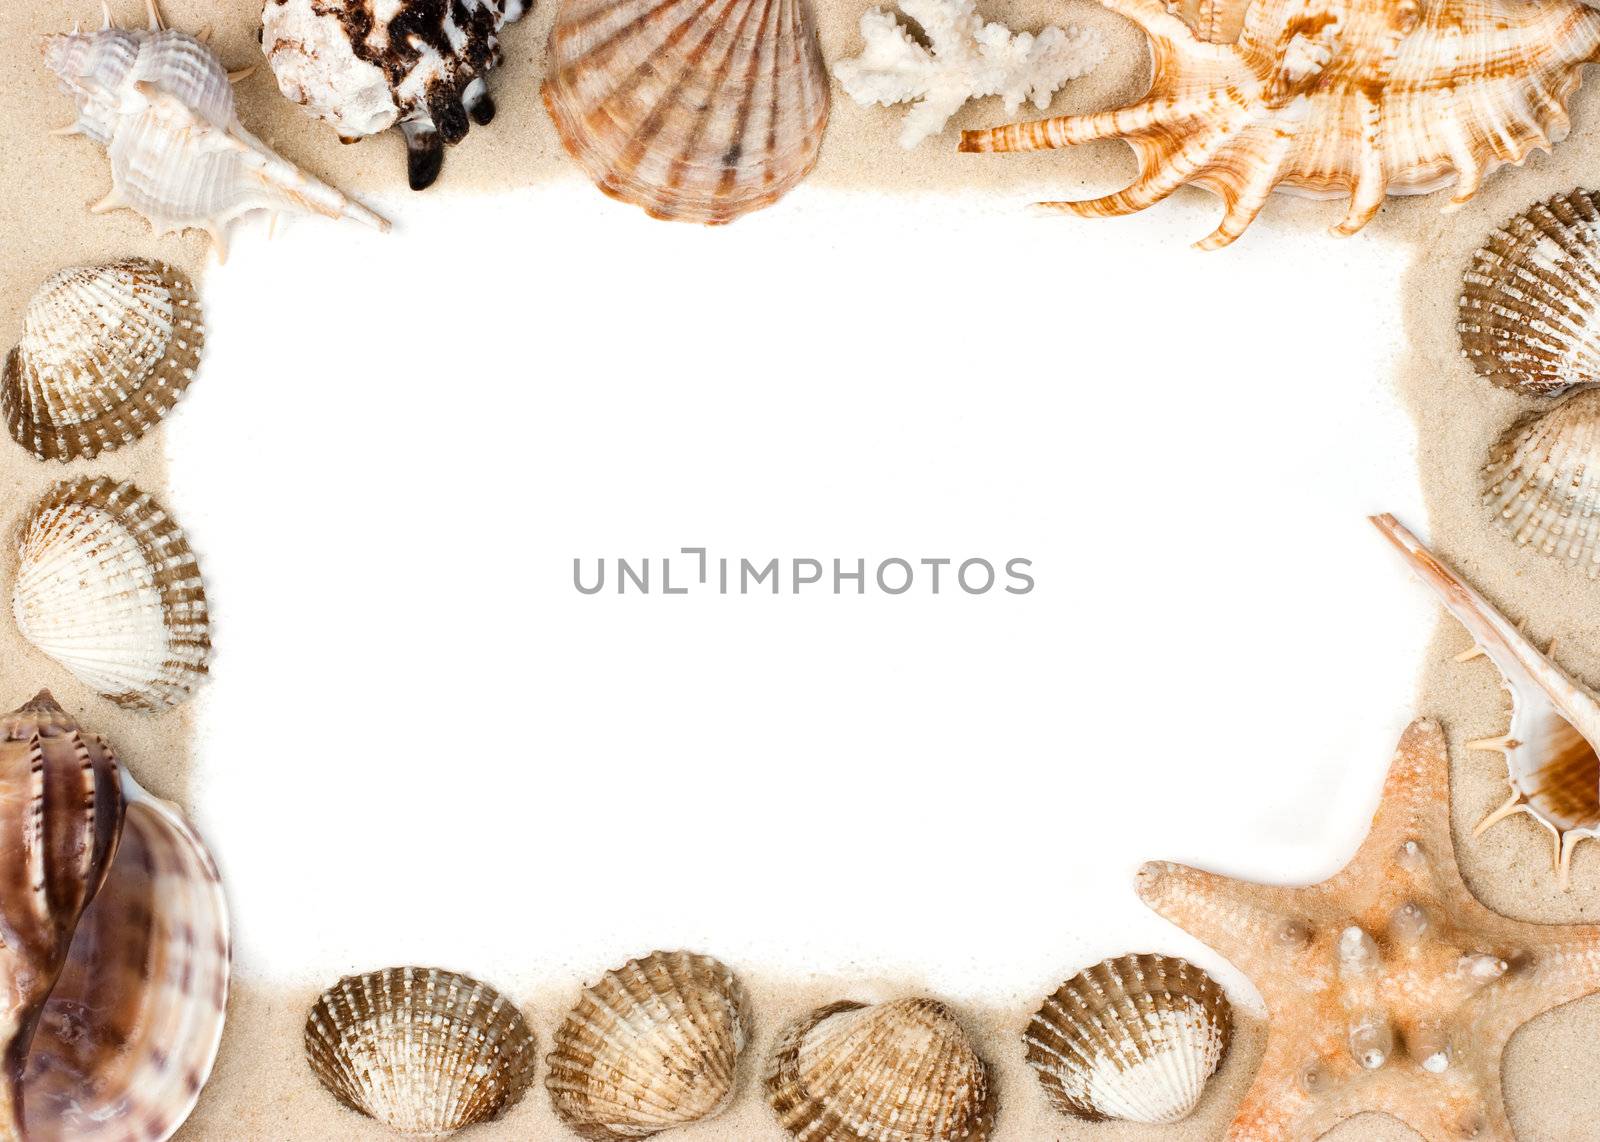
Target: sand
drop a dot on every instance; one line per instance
(261, 1088)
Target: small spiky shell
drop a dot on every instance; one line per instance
(106, 351)
(1134, 1038)
(422, 1050)
(1542, 482)
(696, 112)
(1528, 314)
(654, 1044)
(108, 587)
(903, 1071)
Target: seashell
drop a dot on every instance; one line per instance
(902, 1071)
(423, 1051)
(161, 104)
(1551, 763)
(108, 587)
(1527, 314)
(695, 112)
(1134, 1038)
(364, 67)
(1329, 98)
(655, 1044)
(106, 351)
(121, 1026)
(1543, 482)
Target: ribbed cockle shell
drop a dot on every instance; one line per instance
(903, 1071)
(1542, 482)
(695, 111)
(654, 1044)
(106, 351)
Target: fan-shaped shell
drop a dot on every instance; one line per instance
(1528, 315)
(694, 111)
(422, 1050)
(1134, 1038)
(1543, 482)
(654, 1044)
(106, 351)
(108, 587)
(903, 1071)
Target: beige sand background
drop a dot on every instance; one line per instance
(261, 1088)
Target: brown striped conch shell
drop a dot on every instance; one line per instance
(1135, 1038)
(655, 1044)
(161, 105)
(1527, 315)
(694, 111)
(106, 351)
(1330, 98)
(421, 1050)
(117, 960)
(1549, 747)
(1542, 482)
(903, 1071)
(108, 587)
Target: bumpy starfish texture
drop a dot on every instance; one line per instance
(1389, 987)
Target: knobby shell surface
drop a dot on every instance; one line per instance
(364, 66)
(653, 1045)
(1542, 482)
(1134, 1038)
(1527, 314)
(699, 112)
(106, 351)
(903, 1071)
(108, 587)
(422, 1050)
(1331, 98)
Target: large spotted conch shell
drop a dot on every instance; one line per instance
(114, 972)
(1330, 98)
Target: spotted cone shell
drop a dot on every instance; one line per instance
(422, 1050)
(694, 111)
(1543, 482)
(108, 587)
(903, 1071)
(1527, 315)
(106, 351)
(655, 1044)
(1134, 1038)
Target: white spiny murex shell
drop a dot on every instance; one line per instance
(1543, 482)
(1330, 98)
(117, 957)
(106, 351)
(1551, 763)
(1134, 1038)
(1528, 315)
(365, 66)
(655, 1044)
(108, 587)
(694, 111)
(903, 1071)
(421, 1050)
(161, 104)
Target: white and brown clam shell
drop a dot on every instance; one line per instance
(1542, 482)
(421, 1050)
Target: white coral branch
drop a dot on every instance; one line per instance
(967, 58)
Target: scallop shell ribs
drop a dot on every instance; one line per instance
(654, 1044)
(1543, 482)
(423, 1051)
(903, 1071)
(1134, 1038)
(694, 111)
(106, 351)
(1331, 98)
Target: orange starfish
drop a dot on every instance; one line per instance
(1389, 987)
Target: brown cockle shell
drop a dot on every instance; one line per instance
(1542, 482)
(903, 1071)
(655, 1044)
(696, 112)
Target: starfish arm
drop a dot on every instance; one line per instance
(1411, 827)
(1256, 926)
